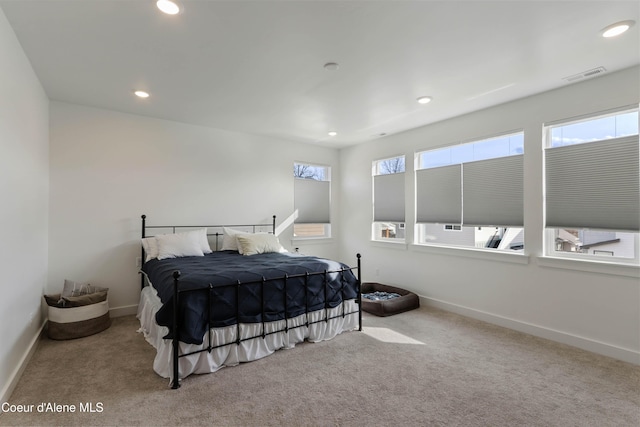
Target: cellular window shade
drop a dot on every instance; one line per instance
(493, 192)
(594, 185)
(312, 201)
(388, 198)
(439, 195)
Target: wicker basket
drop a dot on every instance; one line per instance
(78, 322)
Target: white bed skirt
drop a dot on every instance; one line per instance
(231, 355)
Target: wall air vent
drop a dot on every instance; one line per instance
(586, 74)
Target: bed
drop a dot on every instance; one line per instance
(216, 296)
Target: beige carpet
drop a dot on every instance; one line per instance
(422, 368)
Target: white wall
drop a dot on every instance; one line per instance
(598, 310)
(24, 187)
(108, 168)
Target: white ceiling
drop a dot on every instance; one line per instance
(257, 66)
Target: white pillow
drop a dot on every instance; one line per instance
(150, 244)
(179, 245)
(204, 240)
(229, 242)
(252, 244)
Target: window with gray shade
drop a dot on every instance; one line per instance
(475, 188)
(439, 195)
(312, 200)
(493, 192)
(389, 199)
(592, 186)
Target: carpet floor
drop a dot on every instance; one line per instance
(426, 367)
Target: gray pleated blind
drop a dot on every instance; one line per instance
(388, 198)
(493, 192)
(594, 185)
(439, 195)
(312, 201)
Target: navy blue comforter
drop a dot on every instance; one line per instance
(222, 270)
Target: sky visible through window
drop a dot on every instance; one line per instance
(614, 126)
(492, 148)
(590, 130)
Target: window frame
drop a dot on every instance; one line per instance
(419, 228)
(377, 227)
(550, 234)
(326, 227)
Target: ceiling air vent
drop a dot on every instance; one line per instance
(586, 74)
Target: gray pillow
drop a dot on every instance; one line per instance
(87, 299)
(53, 300)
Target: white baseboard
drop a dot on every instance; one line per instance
(17, 372)
(123, 311)
(624, 354)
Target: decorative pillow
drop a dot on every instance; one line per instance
(252, 244)
(179, 245)
(87, 299)
(59, 301)
(229, 242)
(150, 245)
(53, 300)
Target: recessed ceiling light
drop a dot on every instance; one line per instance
(424, 100)
(617, 28)
(331, 66)
(169, 7)
(332, 133)
(141, 94)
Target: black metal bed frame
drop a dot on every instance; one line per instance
(175, 383)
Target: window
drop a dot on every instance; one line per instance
(592, 187)
(388, 200)
(312, 201)
(471, 194)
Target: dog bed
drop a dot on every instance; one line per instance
(387, 307)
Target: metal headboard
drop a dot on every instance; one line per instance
(173, 228)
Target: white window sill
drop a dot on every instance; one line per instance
(591, 266)
(312, 240)
(485, 254)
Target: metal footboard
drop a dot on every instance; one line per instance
(175, 382)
